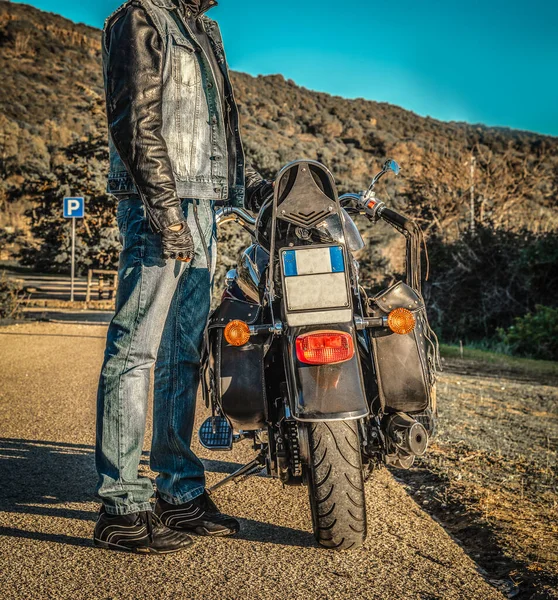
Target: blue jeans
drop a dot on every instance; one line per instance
(161, 312)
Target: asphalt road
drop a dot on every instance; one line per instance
(48, 377)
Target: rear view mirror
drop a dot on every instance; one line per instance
(391, 165)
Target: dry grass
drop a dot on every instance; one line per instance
(491, 475)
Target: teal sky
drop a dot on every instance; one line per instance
(492, 62)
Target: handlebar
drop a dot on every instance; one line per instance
(397, 219)
(380, 210)
(374, 209)
(238, 215)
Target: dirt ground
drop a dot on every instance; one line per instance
(488, 479)
(490, 476)
(49, 375)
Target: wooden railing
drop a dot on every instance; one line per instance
(102, 287)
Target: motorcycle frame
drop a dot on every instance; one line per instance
(283, 338)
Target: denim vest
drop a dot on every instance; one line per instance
(194, 127)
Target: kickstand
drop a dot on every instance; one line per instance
(255, 466)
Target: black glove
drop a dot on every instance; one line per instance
(178, 244)
(258, 197)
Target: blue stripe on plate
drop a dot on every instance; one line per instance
(289, 263)
(337, 261)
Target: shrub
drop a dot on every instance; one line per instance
(535, 334)
(11, 296)
(482, 281)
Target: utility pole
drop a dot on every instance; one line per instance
(473, 162)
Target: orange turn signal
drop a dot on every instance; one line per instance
(401, 321)
(237, 333)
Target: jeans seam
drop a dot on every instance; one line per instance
(124, 220)
(203, 235)
(209, 233)
(125, 368)
(178, 453)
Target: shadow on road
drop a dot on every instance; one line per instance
(32, 334)
(45, 537)
(81, 317)
(266, 533)
(39, 477)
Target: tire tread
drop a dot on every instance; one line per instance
(336, 486)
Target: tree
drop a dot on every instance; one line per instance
(484, 279)
(79, 171)
(515, 188)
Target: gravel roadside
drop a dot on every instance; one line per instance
(491, 476)
(47, 508)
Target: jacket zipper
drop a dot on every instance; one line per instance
(237, 132)
(221, 103)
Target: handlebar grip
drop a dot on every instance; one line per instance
(395, 218)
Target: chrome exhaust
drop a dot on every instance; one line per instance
(409, 437)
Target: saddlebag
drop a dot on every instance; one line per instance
(405, 364)
(234, 376)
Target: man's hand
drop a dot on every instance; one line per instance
(260, 195)
(177, 242)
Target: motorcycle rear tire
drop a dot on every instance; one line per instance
(336, 485)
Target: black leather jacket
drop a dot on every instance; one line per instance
(133, 82)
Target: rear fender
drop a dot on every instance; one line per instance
(324, 392)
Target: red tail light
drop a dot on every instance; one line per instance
(324, 347)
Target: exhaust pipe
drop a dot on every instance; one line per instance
(407, 435)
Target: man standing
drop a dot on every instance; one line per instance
(175, 152)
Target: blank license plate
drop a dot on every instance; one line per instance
(315, 278)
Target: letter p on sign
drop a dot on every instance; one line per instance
(74, 208)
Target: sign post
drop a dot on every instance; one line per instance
(74, 208)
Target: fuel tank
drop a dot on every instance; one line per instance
(251, 264)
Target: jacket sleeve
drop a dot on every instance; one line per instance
(257, 189)
(133, 86)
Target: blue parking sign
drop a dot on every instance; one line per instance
(74, 208)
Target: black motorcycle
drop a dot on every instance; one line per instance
(326, 382)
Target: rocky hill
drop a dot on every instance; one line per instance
(52, 96)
